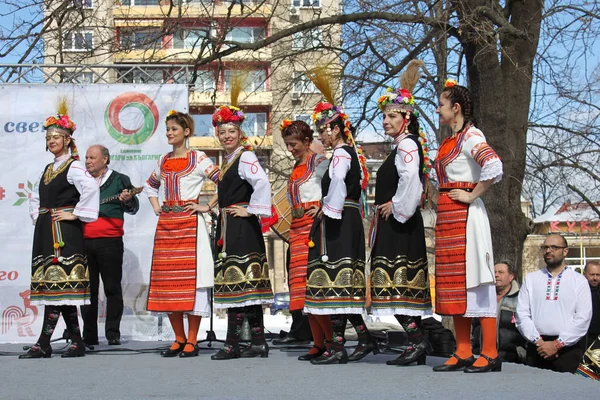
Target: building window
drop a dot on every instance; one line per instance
(140, 39)
(203, 125)
(190, 39)
(305, 118)
(205, 79)
(306, 3)
(307, 39)
(81, 77)
(577, 259)
(302, 84)
(140, 2)
(245, 34)
(83, 3)
(255, 81)
(148, 75)
(255, 124)
(78, 41)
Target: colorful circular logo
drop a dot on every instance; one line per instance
(131, 100)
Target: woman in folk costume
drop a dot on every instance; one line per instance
(242, 282)
(64, 198)
(464, 269)
(336, 256)
(304, 194)
(399, 277)
(182, 264)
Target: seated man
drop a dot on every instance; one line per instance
(592, 273)
(511, 345)
(554, 310)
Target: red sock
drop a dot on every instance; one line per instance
(176, 319)
(193, 328)
(325, 322)
(488, 346)
(462, 329)
(317, 334)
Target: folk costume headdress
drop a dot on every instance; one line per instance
(402, 100)
(63, 124)
(327, 111)
(232, 114)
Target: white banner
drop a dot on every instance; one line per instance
(129, 121)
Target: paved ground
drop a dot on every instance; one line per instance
(145, 375)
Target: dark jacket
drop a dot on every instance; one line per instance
(511, 345)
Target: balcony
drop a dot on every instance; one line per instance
(184, 55)
(199, 99)
(193, 11)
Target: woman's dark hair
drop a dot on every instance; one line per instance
(413, 125)
(339, 122)
(298, 130)
(182, 119)
(462, 96)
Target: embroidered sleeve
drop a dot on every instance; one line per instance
(479, 150)
(251, 171)
(152, 185)
(210, 169)
(524, 322)
(88, 205)
(578, 327)
(408, 193)
(321, 164)
(34, 200)
(333, 202)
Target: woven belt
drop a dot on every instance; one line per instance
(175, 206)
(352, 204)
(44, 210)
(466, 186)
(300, 210)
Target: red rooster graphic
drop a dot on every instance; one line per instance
(22, 317)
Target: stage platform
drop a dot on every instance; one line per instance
(136, 371)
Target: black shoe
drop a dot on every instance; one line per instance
(114, 342)
(290, 341)
(36, 351)
(74, 350)
(227, 352)
(331, 357)
(173, 353)
(461, 363)
(363, 349)
(416, 353)
(308, 356)
(494, 365)
(192, 353)
(256, 350)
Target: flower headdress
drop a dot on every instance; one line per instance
(284, 124)
(401, 99)
(232, 114)
(450, 83)
(326, 112)
(62, 121)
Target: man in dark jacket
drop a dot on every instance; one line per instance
(592, 274)
(511, 345)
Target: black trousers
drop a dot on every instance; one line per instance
(105, 259)
(568, 358)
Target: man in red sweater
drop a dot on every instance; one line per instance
(103, 242)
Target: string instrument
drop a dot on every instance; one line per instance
(133, 192)
(284, 212)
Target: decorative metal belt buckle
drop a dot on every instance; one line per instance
(177, 209)
(298, 212)
(165, 208)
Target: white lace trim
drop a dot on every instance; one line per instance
(61, 303)
(479, 314)
(244, 303)
(491, 170)
(332, 311)
(384, 312)
(196, 313)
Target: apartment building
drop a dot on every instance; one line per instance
(193, 42)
